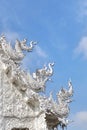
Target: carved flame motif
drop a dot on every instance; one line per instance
(29, 85)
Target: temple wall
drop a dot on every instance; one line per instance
(1, 101)
(40, 122)
(13, 122)
(14, 112)
(13, 102)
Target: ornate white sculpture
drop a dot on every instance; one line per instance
(29, 85)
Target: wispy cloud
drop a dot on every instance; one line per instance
(11, 36)
(40, 52)
(80, 120)
(81, 48)
(81, 10)
(35, 59)
(8, 16)
(82, 117)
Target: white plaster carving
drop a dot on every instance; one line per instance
(21, 105)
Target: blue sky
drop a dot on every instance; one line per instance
(60, 27)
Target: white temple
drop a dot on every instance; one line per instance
(21, 105)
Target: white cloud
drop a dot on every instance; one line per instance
(40, 52)
(11, 36)
(82, 47)
(81, 120)
(81, 10)
(81, 117)
(35, 59)
(8, 17)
